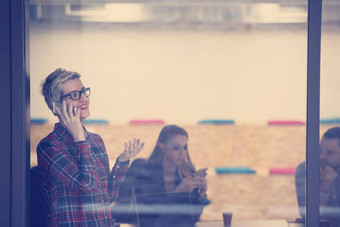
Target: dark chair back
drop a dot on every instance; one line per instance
(38, 208)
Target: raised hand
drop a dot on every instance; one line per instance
(71, 121)
(131, 150)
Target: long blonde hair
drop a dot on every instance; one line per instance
(166, 134)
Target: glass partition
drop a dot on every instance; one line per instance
(329, 114)
(232, 74)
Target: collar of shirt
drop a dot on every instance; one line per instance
(65, 133)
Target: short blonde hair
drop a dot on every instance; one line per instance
(51, 86)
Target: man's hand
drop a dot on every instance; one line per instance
(327, 177)
(131, 150)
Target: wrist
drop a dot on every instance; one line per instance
(78, 138)
(179, 189)
(122, 159)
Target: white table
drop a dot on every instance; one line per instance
(255, 223)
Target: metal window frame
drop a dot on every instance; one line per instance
(14, 114)
(5, 115)
(313, 113)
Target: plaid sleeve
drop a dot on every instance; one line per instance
(116, 178)
(77, 173)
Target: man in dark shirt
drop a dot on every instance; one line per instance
(329, 178)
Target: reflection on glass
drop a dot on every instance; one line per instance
(237, 65)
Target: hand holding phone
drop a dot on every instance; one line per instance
(69, 118)
(56, 104)
(60, 106)
(201, 172)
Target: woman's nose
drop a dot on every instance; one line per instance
(82, 97)
(182, 151)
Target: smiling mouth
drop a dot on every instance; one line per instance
(83, 107)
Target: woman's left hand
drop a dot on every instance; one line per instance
(202, 189)
(131, 150)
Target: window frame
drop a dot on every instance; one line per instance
(15, 114)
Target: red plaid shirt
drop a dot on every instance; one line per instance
(76, 179)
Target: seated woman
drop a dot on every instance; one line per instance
(168, 169)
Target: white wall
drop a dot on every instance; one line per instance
(185, 76)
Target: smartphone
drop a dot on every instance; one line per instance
(201, 172)
(60, 106)
(56, 104)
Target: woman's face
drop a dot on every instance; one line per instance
(175, 151)
(83, 103)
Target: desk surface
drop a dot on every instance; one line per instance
(255, 223)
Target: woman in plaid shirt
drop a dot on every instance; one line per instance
(76, 178)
